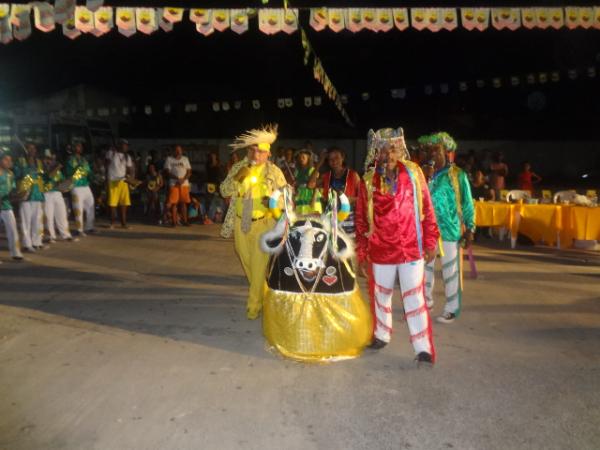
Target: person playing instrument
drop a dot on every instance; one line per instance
(455, 214)
(7, 187)
(178, 171)
(82, 199)
(54, 203)
(29, 172)
(154, 189)
(396, 234)
(119, 166)
(250, 183)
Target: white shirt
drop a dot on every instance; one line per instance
(177, 168)
(118, 165)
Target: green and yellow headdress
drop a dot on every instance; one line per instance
(439, 138)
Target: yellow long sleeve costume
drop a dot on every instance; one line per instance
(260, 183)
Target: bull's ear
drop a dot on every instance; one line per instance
(344, 249)
(271, 242)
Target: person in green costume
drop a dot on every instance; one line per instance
(55, 209)
(302, 174)
(455, 214)
(78, 169)
(7, 216)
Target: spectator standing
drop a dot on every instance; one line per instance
(178, 171)
(498, 174)
(119, 165)
(527, 178)
(481, 189)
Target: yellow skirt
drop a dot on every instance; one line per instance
(317, 327)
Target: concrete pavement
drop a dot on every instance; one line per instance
(137, 340)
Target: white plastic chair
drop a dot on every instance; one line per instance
(562, 196)
(518, 195)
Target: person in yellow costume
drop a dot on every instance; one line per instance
(249, 184)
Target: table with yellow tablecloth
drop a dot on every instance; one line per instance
(552, 224)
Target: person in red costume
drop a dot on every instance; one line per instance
(396, 233)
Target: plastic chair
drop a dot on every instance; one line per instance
(563, 196)
(518, 195)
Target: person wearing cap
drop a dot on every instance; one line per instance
(455, 213)
(178, 171)
(55, 209)
(118, 166)
(7, 186)
(78, 169)
(249, 185)
(29, 171)
(396, 234)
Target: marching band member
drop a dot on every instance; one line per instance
(54, 203)
(455, 213)
(249, 184)
(29, 172)
(7, 185)
(396, 233)
(78, 169)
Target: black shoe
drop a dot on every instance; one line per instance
(377, 344)
(18, 258)
(424, 359)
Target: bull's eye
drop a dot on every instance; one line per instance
(319, 238)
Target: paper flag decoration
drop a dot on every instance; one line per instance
(475, 18)
(221, 19)
(163, 23)
(319, 18)
(557, 18)
(337, 19)
(6, 35)
(145, 19)
(103, 19)
(542, 17)
(433, 22)
(308, 102)
(290, 21)
(449, 19)
(528, 18)
(200, 16)
(126, 21)
(204, 25)
(270, 20)
(369, 18)
(354, 21)
(19, 16)
(94, 5)
(173, 15)
(43, 14)
(69, 28)
(506, 18)
(64, 10)
(84, 19)
(597, 17)
(418, 18)
(239, 21)
(384, 19)
(401, 18)
(23, 31)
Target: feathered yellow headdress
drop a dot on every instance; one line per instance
(262, 137)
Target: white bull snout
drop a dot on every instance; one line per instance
(309, 264)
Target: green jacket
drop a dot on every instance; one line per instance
(452, 202)
(83, 175)
(36, 172)
(7, 185)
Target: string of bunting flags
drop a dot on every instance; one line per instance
(96, 19)
(531, 80)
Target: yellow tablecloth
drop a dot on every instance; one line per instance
(542, 222)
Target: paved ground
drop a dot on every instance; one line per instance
(137, 340)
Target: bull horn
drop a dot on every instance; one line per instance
(272, 241)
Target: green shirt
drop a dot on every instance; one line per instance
(52, 181)
(73, 164)
(36, 172)
(449, 214)
(7, 184)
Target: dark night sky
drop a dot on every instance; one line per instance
(184, 66)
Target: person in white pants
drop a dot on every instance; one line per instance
(396, 233)
(54, 203)
(7, 217)
(82, 198)
(29, 172)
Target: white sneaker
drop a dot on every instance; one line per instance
(447, 317)
(52, 241)
(29, 249)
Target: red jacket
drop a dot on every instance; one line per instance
(395, 233)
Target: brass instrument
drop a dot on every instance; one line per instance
(132, 182)
(24, 186)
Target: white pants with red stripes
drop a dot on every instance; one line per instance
(56, 214)
(416, 312)
(12, 236)
(32, 223)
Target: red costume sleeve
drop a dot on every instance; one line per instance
(431, 233)
(361, 222)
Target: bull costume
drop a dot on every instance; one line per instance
(313, 308)
(395, 232)
(249, 185)
(455, 213)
